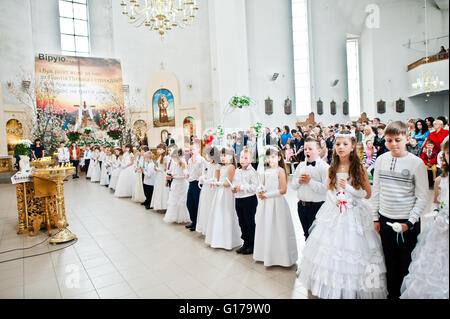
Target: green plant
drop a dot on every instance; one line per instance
(73, 136)
(240, 101)
(22, 147)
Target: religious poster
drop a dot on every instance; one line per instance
(81, 89)
(163, 108)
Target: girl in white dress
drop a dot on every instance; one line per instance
(104, 177)
(125, 183)
(275, 242)
(138, 194)
(116, 167)
(343, 257)
(95, 166)
(176, 205)
(429, 268)
(222, 230)
(87, 156)
(160, 191)
(207, 194)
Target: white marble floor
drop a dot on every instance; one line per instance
(125, 251)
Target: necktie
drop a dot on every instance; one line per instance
(312, 163)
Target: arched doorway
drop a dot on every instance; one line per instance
(14, 132)
(188, 130)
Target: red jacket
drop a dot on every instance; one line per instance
(437, 139)
(429, 161)
(78, 154)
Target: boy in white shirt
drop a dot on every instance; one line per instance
(399, 195)
(63, 154)
(149, 178)
(310, 182)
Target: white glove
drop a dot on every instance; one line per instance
(397, 227)
(358, 193)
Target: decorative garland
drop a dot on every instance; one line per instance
(239, 101)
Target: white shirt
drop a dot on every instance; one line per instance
(87, 154)
(195, 170)
(102, 156)
(400, 187)
(247, 180)
(149, 173)
(63, 154)
(74, 153)
(316, 189)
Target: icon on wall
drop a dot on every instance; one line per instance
(333, 107)
(287, 106)
(163, 108)
(400, 106)
(269, 106)
(381, 107)
(319, 107)
(345, 108)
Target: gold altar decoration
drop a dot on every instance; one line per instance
(5, 164)
(57, 175)
(43, 162)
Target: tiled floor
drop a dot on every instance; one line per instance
(125, 251)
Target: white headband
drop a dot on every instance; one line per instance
(351, 135)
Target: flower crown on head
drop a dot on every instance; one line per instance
(350, 135)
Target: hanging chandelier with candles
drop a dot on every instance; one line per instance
(427, 81)
(160, 15)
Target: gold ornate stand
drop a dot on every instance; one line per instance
(57, 176)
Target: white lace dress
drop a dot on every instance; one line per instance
(94, 166)
(275, 242)
(343, 257)
(222, 230)
(206, 196)
(429, 268)
(177, 211)
(160, 191)
(138, 194)
(116, 167)
(126, 180)
(104, 176)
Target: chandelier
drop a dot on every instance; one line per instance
(427, 81)
(160, 15)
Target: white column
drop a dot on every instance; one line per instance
(229, 60)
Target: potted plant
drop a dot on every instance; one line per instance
(22, 149)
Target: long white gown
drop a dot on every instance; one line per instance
(176, 205)
(206, 197)
(429, 268)
(275, 242)
(138, 194)
(94, 166)
(160, 191)
(126, 180)
(343, 257)
(222, 230)
(116, 168)
(104, 177)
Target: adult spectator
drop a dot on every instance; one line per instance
(438, 136)
(429, 121)
(297, 144)
(330, 144)
(411, 123)
(285, 137)
(421, 132)
(169, 139)
(75, 155)
(368, 135)
(444, 120)
(37, 150)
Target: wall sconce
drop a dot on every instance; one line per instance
(189, 86)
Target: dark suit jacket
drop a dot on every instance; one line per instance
(171, 141)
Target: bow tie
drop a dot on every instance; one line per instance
(312, 163)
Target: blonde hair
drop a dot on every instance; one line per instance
(148, 154)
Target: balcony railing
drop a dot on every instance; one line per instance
(432, 58)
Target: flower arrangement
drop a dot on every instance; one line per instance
(73, 136)
(220, 132)
(115, 134)
(239, 101)
(258, 128)
(22, 147)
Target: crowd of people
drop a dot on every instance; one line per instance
(353, 225)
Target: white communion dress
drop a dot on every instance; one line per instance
(177, 211)
(206, 197)
(138, 194)
(126, 180)
(95, 167)
(116, 167)
(106, 167)
(429, 268)
(160, 191)
(343, 257)
(275, 242)
(222, 230)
